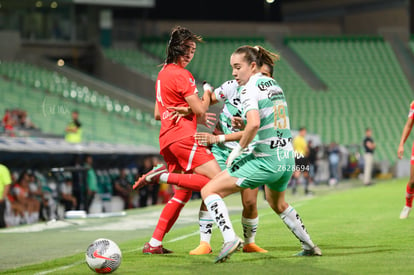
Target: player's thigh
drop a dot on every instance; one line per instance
(253, 172)
(186, 155)
(209, 169)
(222, 184)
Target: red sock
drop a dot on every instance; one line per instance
(409, 196)
(170, 213)
(191, 181)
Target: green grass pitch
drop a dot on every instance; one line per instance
(358, 229)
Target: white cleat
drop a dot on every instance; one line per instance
(228, 249)
(315, 251)
(405, 212)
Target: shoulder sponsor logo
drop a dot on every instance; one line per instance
(275, 94)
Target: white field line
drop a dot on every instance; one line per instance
(60, 268)
(140, 248)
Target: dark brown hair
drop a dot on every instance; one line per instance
(176, 48)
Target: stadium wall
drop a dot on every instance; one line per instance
(9, 50)
(393, 19)
(353, 16)
(225, 28)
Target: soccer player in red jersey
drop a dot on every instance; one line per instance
(410, 185)
(176, 87)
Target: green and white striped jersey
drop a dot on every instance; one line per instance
(229, 93)
(262, 93)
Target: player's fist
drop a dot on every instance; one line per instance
(207, 87)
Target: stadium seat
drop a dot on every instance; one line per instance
(49, 98)
(366, 87)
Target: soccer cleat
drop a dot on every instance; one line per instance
(203, 249)
(405, 212)
(315, 251)
(228, 249)
(148, 249)
(152, 177)
(252, 248)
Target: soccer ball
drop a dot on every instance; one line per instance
(103, 256)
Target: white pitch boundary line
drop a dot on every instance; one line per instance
(140, 248)
(60, 268)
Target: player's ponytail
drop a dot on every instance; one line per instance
(257, 54)
(266, 57)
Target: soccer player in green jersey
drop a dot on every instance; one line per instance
(229, 93)
(271, 162)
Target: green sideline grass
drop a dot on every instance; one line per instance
(358, 230)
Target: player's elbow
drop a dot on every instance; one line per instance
(252, 127)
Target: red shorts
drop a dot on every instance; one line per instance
(185, 155)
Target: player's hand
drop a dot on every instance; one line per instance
(237, 123)
(207, 87)
(205, 139)
(237, 151)
(208, 120)
(176, 113)
(400, 152)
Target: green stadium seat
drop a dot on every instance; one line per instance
(49, 98)
(367, 88)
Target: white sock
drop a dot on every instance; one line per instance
(206, 226)
(293, 221)
(16, 220)
(164, 178)
(154, 242)
(26, 217)
(249, 229)
(35, 217)
(218, 211)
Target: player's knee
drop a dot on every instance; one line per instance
(250, 204)
(411, 180)
(278, 206)
(206, 191)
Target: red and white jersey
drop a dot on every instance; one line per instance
(411, 112)
(173, 85)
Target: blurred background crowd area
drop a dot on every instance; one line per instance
(84, 188)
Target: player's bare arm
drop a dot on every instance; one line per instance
(209, 139)
(406, 132)
(157, 114)
(252, 126)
